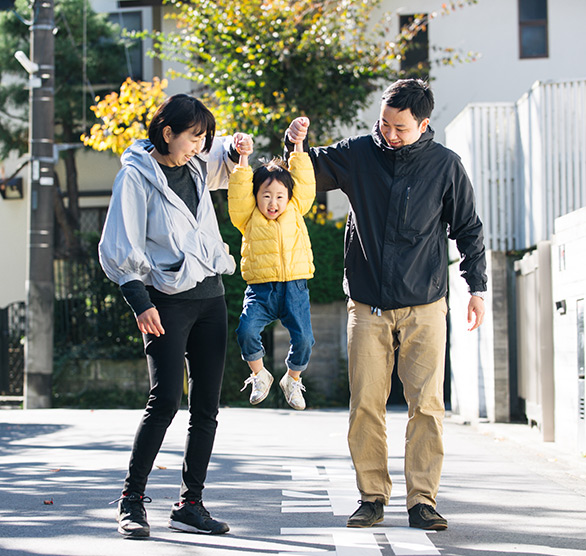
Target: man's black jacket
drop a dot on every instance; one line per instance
(403, 205)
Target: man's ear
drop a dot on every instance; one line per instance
(423, 125)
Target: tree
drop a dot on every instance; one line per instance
(263, 63)
(89, 52)
(125, 116)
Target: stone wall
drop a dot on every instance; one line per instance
(327, 366)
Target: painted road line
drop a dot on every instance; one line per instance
(404, 541)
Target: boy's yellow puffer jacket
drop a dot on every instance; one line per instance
(274, 250)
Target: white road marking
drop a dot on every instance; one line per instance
(350, 542)
(338, 480)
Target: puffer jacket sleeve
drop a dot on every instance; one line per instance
(122, 245)
(220, 165)
(241, 201)
(301, 169)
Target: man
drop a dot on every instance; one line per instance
(407, 194)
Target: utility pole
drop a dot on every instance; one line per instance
(40, 277)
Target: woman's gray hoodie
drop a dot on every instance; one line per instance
(151, 235)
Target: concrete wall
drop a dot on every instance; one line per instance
(569, 294)
(535, 348)
(327, 368)
(480, 359)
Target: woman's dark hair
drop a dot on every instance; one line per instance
(181, 112)
(412, 94)
(273, 170)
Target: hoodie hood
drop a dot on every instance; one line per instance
(138, 156)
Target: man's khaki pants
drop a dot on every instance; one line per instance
(419, 333)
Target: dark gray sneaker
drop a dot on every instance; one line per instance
(131, 517)
(192, 517)
(424, 516)
(367, 514)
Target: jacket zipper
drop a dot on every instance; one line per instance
(281, 258)
(406, 205)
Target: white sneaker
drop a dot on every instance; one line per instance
(293, 391)
(261, 384)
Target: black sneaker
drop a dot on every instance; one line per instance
(132, 522)
(192, 517)
(424, 516)
(367, 514)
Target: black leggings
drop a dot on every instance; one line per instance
(195, 334)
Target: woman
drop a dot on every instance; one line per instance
(162, 245)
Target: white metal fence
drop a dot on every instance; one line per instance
(527, 161)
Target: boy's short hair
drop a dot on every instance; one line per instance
(412, 94)
(181, 112)
(273, 170)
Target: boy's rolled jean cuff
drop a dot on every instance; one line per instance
(296, 368)
(255, 356)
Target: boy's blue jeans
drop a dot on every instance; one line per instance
(265, 303)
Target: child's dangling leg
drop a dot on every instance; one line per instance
(261, 381)
(293, 389)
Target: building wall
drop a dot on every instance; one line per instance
(490, 28)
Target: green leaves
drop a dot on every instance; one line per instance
(264, 63)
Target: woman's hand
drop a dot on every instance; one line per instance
(149, 322)
(244, 145)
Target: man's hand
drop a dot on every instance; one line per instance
(475, 312)
(297, 131)
(149, 322)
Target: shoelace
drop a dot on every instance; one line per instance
(252, 379)
(133, 498)
(297, 386)
(200, 508)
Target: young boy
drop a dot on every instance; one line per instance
(267, 207)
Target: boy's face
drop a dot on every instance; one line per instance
(272, 199)
(399, 127)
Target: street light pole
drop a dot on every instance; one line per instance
(40, 282)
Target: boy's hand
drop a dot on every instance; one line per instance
(243, 143)
(297, 131)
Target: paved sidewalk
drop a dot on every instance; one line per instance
(283, 481)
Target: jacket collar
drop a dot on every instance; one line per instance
(403, 152)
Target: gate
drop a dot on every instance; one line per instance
(12, 333)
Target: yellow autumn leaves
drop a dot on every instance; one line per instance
(125, 116)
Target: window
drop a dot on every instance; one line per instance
(533, 29)
(131, 21)
(415, 61)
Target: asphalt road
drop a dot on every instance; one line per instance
(283, 481)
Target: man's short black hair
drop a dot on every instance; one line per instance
(181, 112)
(273, 170)
(412, 94)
